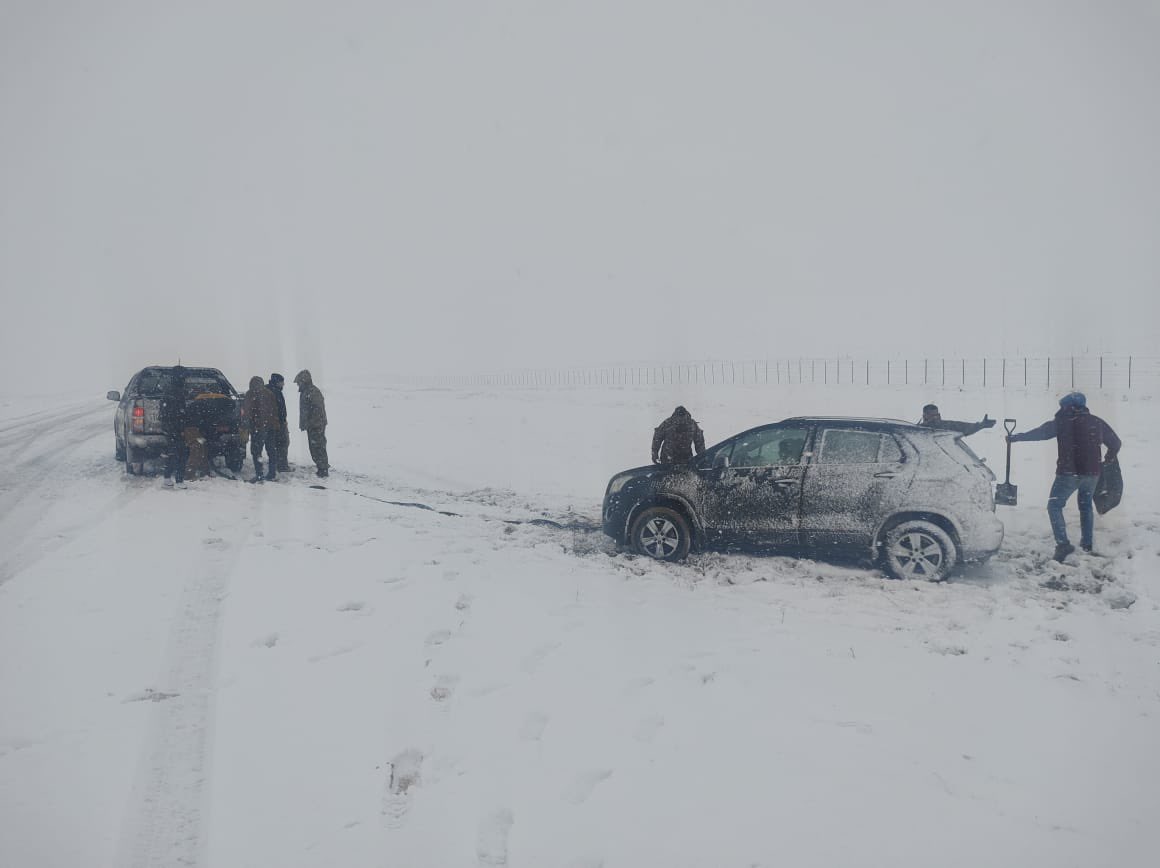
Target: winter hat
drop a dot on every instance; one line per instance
(277, 379)
(929, 409)
(1073, 399)
(680, 411)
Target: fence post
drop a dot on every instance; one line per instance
(1004, 380)
(925, 370)
(1025, 372)
(964, 381)
(888, 372)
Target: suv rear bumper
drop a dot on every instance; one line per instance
(983, 538)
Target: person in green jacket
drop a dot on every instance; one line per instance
(312, 420)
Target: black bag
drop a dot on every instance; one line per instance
(1109, 487)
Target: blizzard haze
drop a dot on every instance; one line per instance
(363, 187)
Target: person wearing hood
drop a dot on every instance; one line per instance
(281, 434)
(931, 418)
(312, 420)
(1078, 435)
(675, 438)
(260, 416)
(174, 418)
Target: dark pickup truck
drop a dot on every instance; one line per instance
(212, 406)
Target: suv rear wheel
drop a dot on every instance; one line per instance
(661, 533)
(919, 549)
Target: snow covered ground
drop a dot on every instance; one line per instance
(257, 675)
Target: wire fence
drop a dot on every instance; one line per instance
(1055, 373)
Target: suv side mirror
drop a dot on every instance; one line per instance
(113, 396)
(721, 460)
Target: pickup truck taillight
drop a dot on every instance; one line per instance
(138, 419)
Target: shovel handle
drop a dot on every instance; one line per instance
(1009, 426)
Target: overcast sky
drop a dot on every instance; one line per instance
(418, 186)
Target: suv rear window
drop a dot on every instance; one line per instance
(841, 446)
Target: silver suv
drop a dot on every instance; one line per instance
(916, 500)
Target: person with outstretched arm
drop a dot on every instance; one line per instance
(1078, 435)
(931, 418)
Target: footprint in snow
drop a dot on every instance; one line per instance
(581, 788)
(268, 641)
(352, 606)
(444, 688)
(438, 637)
(463, 604)
(491, 842)
(403, 776)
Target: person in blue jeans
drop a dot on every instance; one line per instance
(1078, 436)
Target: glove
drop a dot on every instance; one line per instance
(987, 422)
(1110, 458)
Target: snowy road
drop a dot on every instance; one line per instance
(243, 675)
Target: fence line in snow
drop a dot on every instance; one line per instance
(1135, 373)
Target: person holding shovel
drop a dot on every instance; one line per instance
(1078, 435)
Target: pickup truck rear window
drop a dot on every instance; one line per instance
(196, 383)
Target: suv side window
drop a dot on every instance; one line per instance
(844, 446)
(773, 447)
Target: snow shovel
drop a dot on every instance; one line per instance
(1007, 494)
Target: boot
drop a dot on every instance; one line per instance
(322, 473)
(1062, 551)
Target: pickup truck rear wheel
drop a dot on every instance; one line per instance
(119, 451)
(133, 466)
(235, 458)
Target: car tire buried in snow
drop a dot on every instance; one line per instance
(917, 549)
(662, 534)
(119, 451)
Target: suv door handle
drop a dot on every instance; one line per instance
(885, 475)
(785, 483)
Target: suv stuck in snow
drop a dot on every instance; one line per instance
(915, 499)
(212, 406)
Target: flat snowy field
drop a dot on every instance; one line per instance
(274, 675)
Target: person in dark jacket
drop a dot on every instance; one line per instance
(312, 420)
(1078, 436)
(931, 418)
(282, 430)
(260, 416)
(174, 419)
(674, 439)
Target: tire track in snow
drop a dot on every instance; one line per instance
(41, 472)
(164, 822)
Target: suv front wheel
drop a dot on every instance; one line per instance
(661, 533)
(918, 549)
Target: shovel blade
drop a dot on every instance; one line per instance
(1006, 494)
